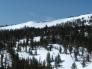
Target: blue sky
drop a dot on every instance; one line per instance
(20, 11)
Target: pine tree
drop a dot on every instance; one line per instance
(60, 50)
(5, 61)
(35, 52)
(70, 49)
(83, 63)
(48, 58)
(74, 66)
(2, 60)
(50, 47)
(57, 60)
(48, 61)
(32, 43)
(52, 59)
(75, 55)
(30, 52)
(82, 51)
(88, 58)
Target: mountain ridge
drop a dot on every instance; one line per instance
(48, 23)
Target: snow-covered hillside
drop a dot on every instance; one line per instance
(48, 23)
(67, 59)
(62, 50)
(41, 55)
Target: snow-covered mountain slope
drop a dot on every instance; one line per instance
(40, 53)
(48, 23)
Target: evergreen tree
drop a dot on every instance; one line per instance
(83, 63)
(70, 49)
(57, 60)
(60, 50)
(30, 52)
(74, 66)
(48, 61)
(88, 58)
(35, 52)
(52, 59)
(2, 57)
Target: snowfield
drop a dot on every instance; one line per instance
(68, 59)
(48, 23)
(42, 54)
(36, 39)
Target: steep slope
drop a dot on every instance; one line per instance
(85, 17)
